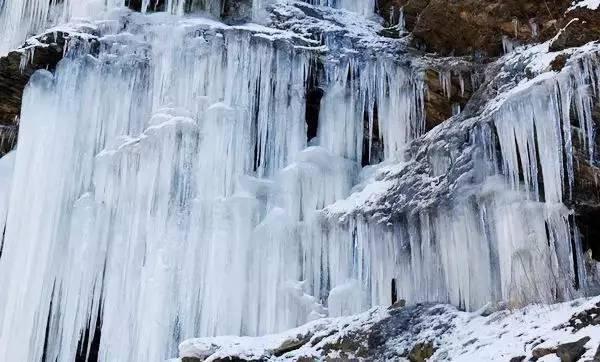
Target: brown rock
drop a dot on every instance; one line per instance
(474, 27)
(421, 352)
(541, 352)
(471, 27)
(572, 352)
(438, 103)
(559, 62)
(583, 26)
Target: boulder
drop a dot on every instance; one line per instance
(571, 352)
(583, 26)
(421, 352)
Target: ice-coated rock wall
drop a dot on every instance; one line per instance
(180, 190)
(168, 183)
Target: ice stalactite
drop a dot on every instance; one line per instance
(364, 7)
(186, 201)
(6, 171)
(20, 19)
(366, 100)
(505, 232)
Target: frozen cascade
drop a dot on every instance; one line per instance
(185, 201)
(364, 7)
(505, 216)
(387, 96)
(20, 19)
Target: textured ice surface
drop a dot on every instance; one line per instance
(179, 192)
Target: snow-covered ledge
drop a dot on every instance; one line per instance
(438, 332)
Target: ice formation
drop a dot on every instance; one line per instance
(364, 7)
(165, 186)
(488, 212)
(20, 19)
(185, 199)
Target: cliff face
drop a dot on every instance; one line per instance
(15, 72)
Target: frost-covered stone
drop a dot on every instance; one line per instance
(424, 332)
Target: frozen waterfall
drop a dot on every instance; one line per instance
(165, 186)
(20, 18)
(184, 196)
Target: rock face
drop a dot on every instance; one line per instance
(14, 75)
(472, 27)
(41, 52)
(417, 334)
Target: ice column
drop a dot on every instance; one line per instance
(151, 201)
(366, 100)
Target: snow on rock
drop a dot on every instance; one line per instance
(394, 334)
(308, 340)
(590, 4)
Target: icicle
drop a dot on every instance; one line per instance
(455, 109)
(363, 7)
(401, 21)
(445, 78)
(149, 216)
(508, 45)
(534, 28)
(379, 91)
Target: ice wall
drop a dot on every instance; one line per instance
(20, 19)
(363, 7)
(176, 194)
(166, 187)
(479, 213)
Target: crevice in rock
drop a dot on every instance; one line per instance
(314, 95)
(94, 345)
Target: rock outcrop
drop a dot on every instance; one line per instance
(41, 52)
(478, 28)
(417, 334)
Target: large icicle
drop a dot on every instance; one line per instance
(20, 18)
(363, 7)
(503, 230)
(375, 96)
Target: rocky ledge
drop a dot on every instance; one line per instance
(43, 51)
(567, 332)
